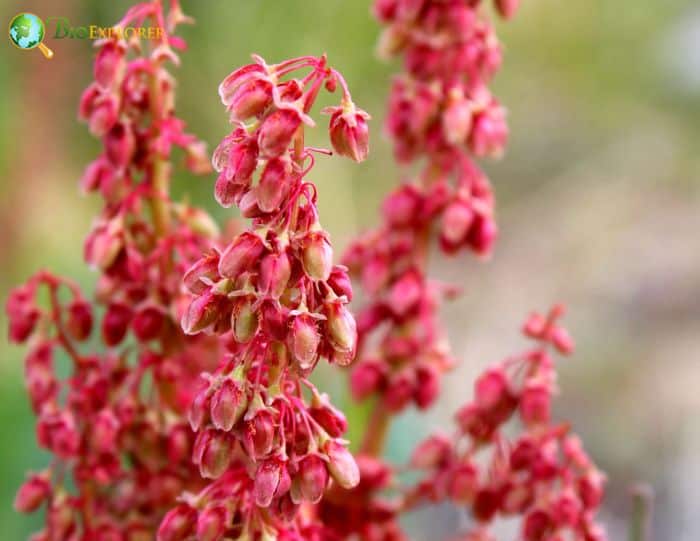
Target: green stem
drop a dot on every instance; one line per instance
(640, 520)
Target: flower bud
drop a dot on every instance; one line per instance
(340, 283)
(349, 132)
(482, 235)
(341, 464)
(566, 509)
(228, 404)
(57, 432)
(427, 386)
(197, 159)
(110, 64)
(178, 444)
(536, 525)
(213, 451)
(33, 492)
(274, 319)
(267, 480)
(431, 452)
(179, 523)
(535, 403)
(317, 255)
(200, 409)
(402, 206)
(115, 323)
(405, 293)
(463, 483)
(105, 431)
(456, 223)
(244, 319)
(330, 418)
(507, 8)
(303, 340)
(259, 435)
(206, 268)
(311, 480)
(79, 320)
(241, 255)
(399, 391)
(211, 523)
(235, 79)
(120, 144)
(277, 130)
(590, 489)
(367, 378)
(274, 184)
(275, 272)
(489, 132)
(203, 311)
(250, 99)
(341, 327)
(148, 322)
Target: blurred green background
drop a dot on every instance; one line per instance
(599, 207)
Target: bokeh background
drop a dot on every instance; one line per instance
(598, 198)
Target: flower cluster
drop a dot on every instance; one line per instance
(541, 474)
(440, 109)
(268, 440)
(117, 424)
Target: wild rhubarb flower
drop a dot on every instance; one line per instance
(541, 474)
(275, 291)
(111, 476)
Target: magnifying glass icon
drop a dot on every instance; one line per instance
(27, 31)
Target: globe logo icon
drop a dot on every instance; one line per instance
(27, 32)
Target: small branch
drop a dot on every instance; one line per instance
(377, 430)
(640, 520)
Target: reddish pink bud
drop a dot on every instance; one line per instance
(591, 488)
(507, 8)
(79, 322)
(102, 115)
(482, 235)
(205, 269)
(179, 446)
(244, 319)
(486, 503)
(523, 454)
(340, 282)
(566, 509)
(402, 206)
(491, 388)
(241, 255)
(341, 464)
(275, 319)
(33, 492)
(274, 184)
(249, 99)
(427, 386)
(120, 144)
(178, 524)
(489, 132)
(406, 293)
(267, 481)
(535, 403)
(399, 391)
(536, 525)
(311, 481)
(275, 272)
(432, 452)
(57, 432)
(234, 80)
(456, 223)
(457, 120)
(110, 64)
(304, 339)
(367, 378)
(105, 431)
(104, 244)
(259, 435)
(317, 255)
(463, 483)
(341, 327)
(148, 322)
(213, 451)
(228, 404)
(562, 340)
(349, 132)
(115, 323)
(330, 418)
(203, 312)
(212, 523)
(21, 312)
(200, 408)
(277, 130)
